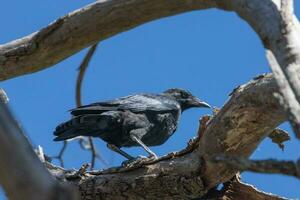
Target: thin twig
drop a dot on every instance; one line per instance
(82, 69)
(61, 153)
(270, 166)
(93, 151)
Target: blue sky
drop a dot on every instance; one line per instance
(207, 52)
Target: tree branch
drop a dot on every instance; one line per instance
(270, 166)
(237, 190)
(59, 157)
(82, 69)
(22, 175)
(279, 30)
(3, 96)
(83, 28)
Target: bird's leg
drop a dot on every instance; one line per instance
(137, 140)
(118, 150)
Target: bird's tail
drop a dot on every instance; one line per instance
(83, 125)
(86, 125)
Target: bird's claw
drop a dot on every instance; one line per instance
(138, 160)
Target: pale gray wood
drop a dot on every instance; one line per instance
(278, 28)
(3, 96)
(22, 175)
(84, 27)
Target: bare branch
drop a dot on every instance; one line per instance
(22, 175)
(84, 27)
(59, 157)
(279, 30)
(270, 166)
(3, 96)
(82, 69)
(237, 190)
(288, 99)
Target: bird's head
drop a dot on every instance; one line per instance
(185, 98)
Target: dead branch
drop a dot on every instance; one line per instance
(84, 27)
(278, 28)
(287, 97)
(21, 172)
(270, 166)
(3, 96)
(237, 190)
(82, 69)
(59, 157)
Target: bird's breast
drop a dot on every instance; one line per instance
(162, 127)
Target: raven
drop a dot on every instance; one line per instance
(137, 120)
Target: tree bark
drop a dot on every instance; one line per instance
(22, 175)
(84, 27)
(237, 190)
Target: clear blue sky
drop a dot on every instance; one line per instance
(208, 52)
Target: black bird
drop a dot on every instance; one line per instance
(141, 119)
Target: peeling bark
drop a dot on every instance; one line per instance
(237, 190)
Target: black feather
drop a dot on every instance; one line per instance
(152, 118)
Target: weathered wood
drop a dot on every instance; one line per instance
(270, 166)
(237, 190)
(278, 28)
(3, 96)
(84, 27)
(22, 175)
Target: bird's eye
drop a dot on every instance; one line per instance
(184, 95)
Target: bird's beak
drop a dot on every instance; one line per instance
(198, 103)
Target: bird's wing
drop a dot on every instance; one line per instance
(134, 103)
